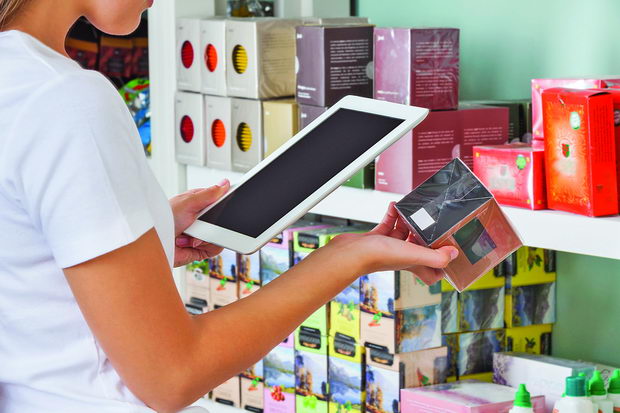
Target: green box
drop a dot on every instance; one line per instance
(363, 179)
(311, 385)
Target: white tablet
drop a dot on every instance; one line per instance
(313, 163)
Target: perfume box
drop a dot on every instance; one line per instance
(442, 136)
(535, 339)
(481, 309)
(530, 304)
(311, 384)
(228, 393)
(546, 374)
(218, 131)
(333, 61)
(540, 85)
(190, 147)
(279, 375)
(308, 113)
(223, 278)
(248, 274)
(529, 265)
(466, 396)
(247, 134)
(393, 305)
(514, 173)
(197, 286)
(213, 56)
(519, 120)
(188, 54)
(418, 66)
(454, 208)
(346, 375)
(260, 57)
(580, 151)
(474, 353)
(344, 313)
(281, 122)
(251, 382)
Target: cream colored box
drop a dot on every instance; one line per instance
(247, 129)
(189, 129)
(188, 59)
(218, 132)
(280, 123)
(213, 49)
(260, 57)
(228, 393)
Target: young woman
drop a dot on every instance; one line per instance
(90, 320)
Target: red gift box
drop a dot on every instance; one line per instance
(580, 151)
(514, 173)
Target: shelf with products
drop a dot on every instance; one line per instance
(579, 234)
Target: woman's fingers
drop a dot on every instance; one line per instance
(428, 276)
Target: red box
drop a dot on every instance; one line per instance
(580, 151)
(615, 95)
(441, 137)
(514, 173)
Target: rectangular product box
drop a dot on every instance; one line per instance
(528, 305)
(280, 119)
(332, 62)
(398, 313)
(453, 208)
(346, 375)
(417, 66)
(529, 265)
(363, 179)
(252, 388)
(197, 287)
(468, 396)
(324, 9)
(308, 113)
(344, 313)
(475, 351)
(535, 339)
(228, 393)
(546, 374)
(190, 147)
(540, 85)
(188, 54)
(213, 53)
(414, 369)
(218, 131)
(481, 309)
(279, 374)
(248, 273)
(580, 152)
(223, 278)
(247, 134)
(260, 57)
(311, 385)
(514, 173)
(518, 116)
(442, 136)
(493, 279)
(449, 312)
(615, 96)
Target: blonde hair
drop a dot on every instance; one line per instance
(8, 10)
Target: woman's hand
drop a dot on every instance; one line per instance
(389, 247)
(185, 208)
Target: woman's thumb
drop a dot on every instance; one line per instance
(199, 200)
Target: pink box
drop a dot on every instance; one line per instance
(417, 67)
(539, 85)
(468, 396)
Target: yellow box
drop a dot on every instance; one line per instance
(534, 339)
(492, 279)
(346, 375)
(280, 123)
(530, 266)
(487, 377)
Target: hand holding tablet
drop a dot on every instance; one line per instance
(307, 168)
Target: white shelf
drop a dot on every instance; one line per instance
(544, 229)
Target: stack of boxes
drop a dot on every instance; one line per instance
(511, 308)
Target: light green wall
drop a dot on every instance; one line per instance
(503, 45)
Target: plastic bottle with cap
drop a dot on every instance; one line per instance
(576, 400)
(613, 392)
(522, 403)
(598, 394)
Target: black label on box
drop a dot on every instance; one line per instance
(193, 309)
(380, 355)
(344, 345)
(549, 257)
(198, 302)
(309, 337)
(308, 241)
(252, 409)
(510, 265)
(474, 240)
(278, 239)
(224, 401)
(545, 344)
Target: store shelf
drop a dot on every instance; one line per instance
(544, 229)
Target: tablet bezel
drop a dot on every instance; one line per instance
(244, 244)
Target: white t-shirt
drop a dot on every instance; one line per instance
(74, 184)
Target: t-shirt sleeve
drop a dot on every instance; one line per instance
(80, 169)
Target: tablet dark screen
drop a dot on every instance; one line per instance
(298, 172)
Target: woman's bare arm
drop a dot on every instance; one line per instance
(169, 359)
